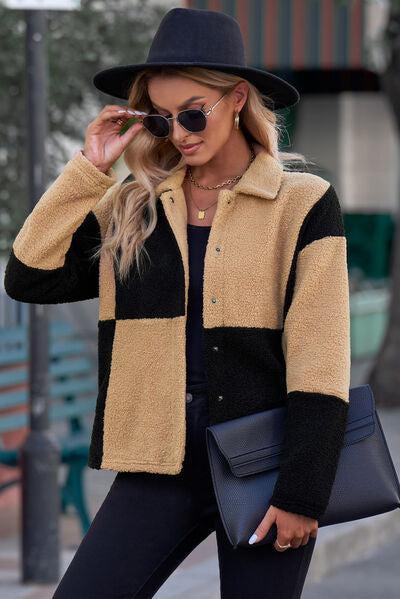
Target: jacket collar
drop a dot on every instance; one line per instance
(262, 179)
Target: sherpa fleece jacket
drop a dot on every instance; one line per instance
(275, 316)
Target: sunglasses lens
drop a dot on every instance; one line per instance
(156, 125)
(192, 120)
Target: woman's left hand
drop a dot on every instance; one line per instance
(295, 529)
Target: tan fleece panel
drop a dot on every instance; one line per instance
(250, 251)
(144, 420)
(175, 210)
(46, 234)
(107, 289)
(103, 209)
(316, 338)
(262, 178)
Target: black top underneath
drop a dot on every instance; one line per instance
(197, 242)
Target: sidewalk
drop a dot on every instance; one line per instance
(198, 575)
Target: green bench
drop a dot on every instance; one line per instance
(73, 392)
(369, 317)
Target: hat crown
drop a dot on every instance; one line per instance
(190, 34)
(204, 38)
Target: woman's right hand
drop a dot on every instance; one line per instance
(103, 143)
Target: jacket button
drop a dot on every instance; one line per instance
(218, 248)
(214, 300)
(215, 348)
(220, 397)
(189, 397)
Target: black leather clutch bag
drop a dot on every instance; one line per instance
(244, 455)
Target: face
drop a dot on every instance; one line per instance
(170, 95)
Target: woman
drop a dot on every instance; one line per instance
(229, 326)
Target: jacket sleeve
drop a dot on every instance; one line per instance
(50, 259)
(316, 345)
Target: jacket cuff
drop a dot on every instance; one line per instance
(86, 166)
(291, 505)
(314, 436)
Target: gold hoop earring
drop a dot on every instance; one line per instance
(236, 121)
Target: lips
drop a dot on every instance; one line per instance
(190, 146)
(191, 149)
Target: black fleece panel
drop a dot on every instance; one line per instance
(231, 353)
(106, 332)
(76, 280)
(159, 291)
(323, 219)
(315, 425)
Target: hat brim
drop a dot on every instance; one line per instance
(116, 81)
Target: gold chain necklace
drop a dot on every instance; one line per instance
(202, 212)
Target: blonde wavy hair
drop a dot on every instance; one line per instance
(150, 160)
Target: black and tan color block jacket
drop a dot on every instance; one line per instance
(275, 316)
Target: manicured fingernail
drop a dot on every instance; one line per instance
(253, 539)
(121, 111)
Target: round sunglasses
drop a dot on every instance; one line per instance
(191, 119)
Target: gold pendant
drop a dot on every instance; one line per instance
(201, 214)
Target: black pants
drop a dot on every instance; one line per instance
(148, 523)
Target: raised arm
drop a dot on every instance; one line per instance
(50, 260)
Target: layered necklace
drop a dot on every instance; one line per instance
(201, 212)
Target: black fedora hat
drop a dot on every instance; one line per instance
(198, 37)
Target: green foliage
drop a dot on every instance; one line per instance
(79, 43)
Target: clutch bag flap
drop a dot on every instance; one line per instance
(255, 444)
